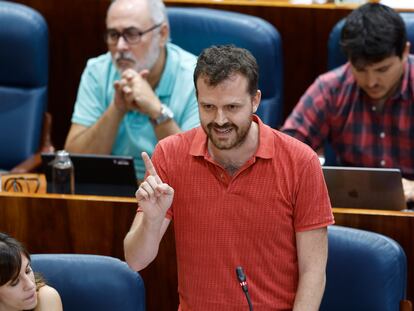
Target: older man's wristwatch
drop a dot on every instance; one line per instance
(166, 114)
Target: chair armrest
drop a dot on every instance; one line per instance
(29, 165)
(33, 163)
(406, 305)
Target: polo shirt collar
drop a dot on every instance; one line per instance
(266, 148)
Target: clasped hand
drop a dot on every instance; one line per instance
(133, 92)
(153, 195)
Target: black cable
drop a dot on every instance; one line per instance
(248, 300)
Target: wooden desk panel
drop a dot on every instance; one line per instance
(67, 224)
(52, 223)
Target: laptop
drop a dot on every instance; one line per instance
(106, 175)
(368, 188)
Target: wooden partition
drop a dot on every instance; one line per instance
(49, 223)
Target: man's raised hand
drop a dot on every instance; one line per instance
(153, 195)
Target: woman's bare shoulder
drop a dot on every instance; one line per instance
(48, 299)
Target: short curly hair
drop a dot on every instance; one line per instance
(217, 63)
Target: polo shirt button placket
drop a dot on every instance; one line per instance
(223, 178)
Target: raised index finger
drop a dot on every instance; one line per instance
(149, 166)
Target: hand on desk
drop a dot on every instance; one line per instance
(153, 195)
(408, 186)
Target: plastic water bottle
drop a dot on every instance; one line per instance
(63, 175)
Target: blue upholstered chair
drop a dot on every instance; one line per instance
(337, 58)
(366, 271)
(197, 28)
(23, 81)
(91, 282)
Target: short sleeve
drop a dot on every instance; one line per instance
(90, 102)
(308, 120)
(312, 208)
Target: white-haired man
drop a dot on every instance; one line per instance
(139, 92)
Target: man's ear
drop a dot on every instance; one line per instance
(256, 100)
(164, 34)
(406, 51)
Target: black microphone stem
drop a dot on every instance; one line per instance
(243, 283)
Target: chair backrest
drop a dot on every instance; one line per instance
(197, 28)
(23, 81)
(366, 271)
(91, 282)
(335, 55)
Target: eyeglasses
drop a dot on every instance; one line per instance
(131, 35)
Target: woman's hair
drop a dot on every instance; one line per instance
(11, 252)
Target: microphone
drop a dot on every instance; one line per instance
(243, 283)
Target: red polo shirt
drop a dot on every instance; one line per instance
(248, 219)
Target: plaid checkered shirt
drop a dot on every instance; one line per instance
(335, 109)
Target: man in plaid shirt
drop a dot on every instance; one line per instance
(365, 108)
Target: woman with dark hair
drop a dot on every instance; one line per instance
(20, 288)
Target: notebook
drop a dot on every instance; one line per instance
(98, 174)
(369, 188)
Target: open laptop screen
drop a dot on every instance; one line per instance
(98, 174)
(369, 188)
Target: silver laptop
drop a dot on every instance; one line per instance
(368, 188)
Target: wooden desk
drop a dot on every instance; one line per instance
(51, 223)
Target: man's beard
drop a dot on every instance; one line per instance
(147, 62)
(238, 140)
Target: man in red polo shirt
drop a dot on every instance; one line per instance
(240, 194)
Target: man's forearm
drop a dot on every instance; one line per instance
(165, 129)
(310, 291)
(99, 138)
(142, 242)
(312, 248)
(408, 186)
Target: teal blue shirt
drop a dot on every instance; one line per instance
(135, 133)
